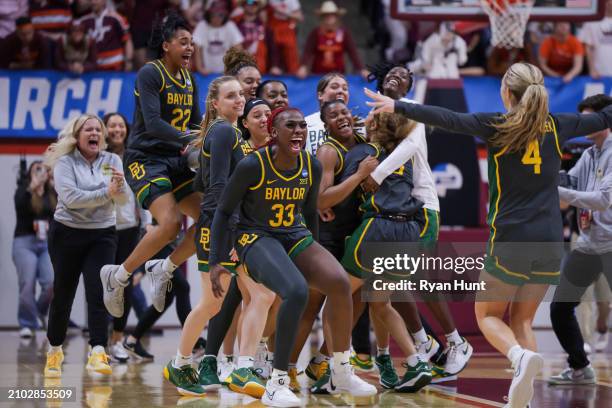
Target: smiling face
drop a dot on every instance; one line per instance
(397, 82)
(117, 130)
(289, 130)
(337, 88)
(89, 138)
(257, 122)
(179, 49)
(275, 94)
(339, 121)
(249, 78)
(230, 102)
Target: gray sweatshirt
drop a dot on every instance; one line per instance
(593, 172)
(82, 190)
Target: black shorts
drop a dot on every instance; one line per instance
(202, 242)
(525, 253)
(150, 176)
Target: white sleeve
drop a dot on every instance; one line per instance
(587, 34)
(122, 198)
(462, 51)
(293, 5)
(199, 34)
(235, 36)
(402, 153)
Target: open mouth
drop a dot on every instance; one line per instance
(93, 143)
(344, 127)
(296, 144)
(393, 81)
(186, 58)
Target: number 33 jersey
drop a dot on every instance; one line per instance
(275, 203)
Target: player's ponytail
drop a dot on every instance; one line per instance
(211, 113)
(164, 29)
(526, 120)
(389, 129)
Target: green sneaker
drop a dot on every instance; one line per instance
(247, 381)
(185, 379)
(388, 376)
(438, 375)
(366, 365)
(207, 373)
(324, 385)
(415, 378)
(315, 371)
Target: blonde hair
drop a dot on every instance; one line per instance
(211, 113)
(526, 120)
(389, 129)
(68, 138)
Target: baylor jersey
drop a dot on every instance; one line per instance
(275, 203)
(394, 197)
(176, 103)
(346, 214)
(523, 189)
(240, 148)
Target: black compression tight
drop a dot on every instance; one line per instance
(269, 264)
(220, 324)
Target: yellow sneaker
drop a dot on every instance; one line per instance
(53, 367)
(98, 362)
(294, 384)
(316, 370)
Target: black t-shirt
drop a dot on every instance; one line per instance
(25, 213)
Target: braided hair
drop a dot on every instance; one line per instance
(164, 30)
(379, 71)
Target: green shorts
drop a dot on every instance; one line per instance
(431, 228)
(294, 242)
(202, 242)
(151, 176)
(375, 230)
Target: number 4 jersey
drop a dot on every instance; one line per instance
(166, 107)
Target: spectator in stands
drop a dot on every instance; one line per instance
(35, 201)
(326, 45)
(258, 39)
(562, 54)
(213, 37)
(82, 234)
(477, 43)
(442, 54)
(142, 15)
(110, 31)
(74, 51)
(25, 48)
(597, 39)
(51, 17)
(10, 11)
(283, 16)
(500, 58)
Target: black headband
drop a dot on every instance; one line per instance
(251, 104)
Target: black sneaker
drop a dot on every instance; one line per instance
(137, 350)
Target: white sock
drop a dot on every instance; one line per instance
(382, 351)
(413, 359)
(245, 362)
(98, 349)
(209, 355)
(122, 275)
(420, 336)
(168, 265)
(318, 358)
(454, 337)
(270, 356)
(341, 358)
(514, 353)
(181, 360)
(54, 349)
(278, 373)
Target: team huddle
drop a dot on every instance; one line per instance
(280, 222)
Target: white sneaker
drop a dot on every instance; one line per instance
(346, 381)
(159, 283)
(119, 353)
(112, 289)
(600, 341)
(526, 368)
(428, 349)
(261, 361)
(278, 394)
(225, 367)
(26, 333)
(457, 357)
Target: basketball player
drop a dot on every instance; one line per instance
(524, 162)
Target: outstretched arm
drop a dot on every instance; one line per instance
(571, 125)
